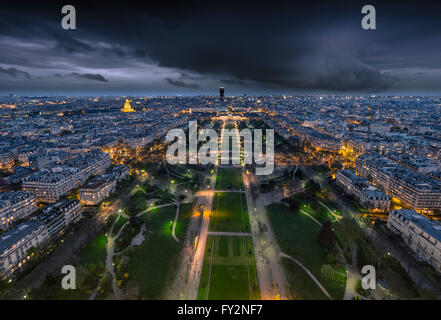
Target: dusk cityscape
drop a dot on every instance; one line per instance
(220, 151)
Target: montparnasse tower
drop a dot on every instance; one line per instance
(127, 106)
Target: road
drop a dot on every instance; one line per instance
(266, 251)
(270, 272)
(229, 234)
(196, 269)
(352, 276)
(174, 222)
(186, 284)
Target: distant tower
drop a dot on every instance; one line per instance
(221, 93)
(127, 106)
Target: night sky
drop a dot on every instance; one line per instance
(193, 48)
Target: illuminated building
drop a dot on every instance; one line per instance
(14, 206)
(368, 195)
(127, 106)
(98, 189)
(6, 161)
(418, 191)
(15, 243)
(48, 185)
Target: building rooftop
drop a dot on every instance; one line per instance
(433, 228)
(9, 198)
(19, 232)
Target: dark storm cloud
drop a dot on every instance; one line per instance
(70, 45)
(182, 84)
(194, 46)
(89, 76)
(13, 72)
(233, 81)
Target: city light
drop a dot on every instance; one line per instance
(134, 143)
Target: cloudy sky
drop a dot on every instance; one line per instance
(190, 48)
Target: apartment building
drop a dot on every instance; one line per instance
(101, 186)
(368, 195)
(15, 244)
(59, 216)
(49, 185)
(98, 189)
(423, 236)
(419, 191)
(120, 171)
(90, 163)
(6, 160)
(14, 206)
(319, 140)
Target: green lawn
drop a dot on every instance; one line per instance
(297, 236)
(317, 211)
(229, 270)
(152, 264)
(229, 179)
(95, 251)
(185, 212)
(121, 221)
(301, 286)
(314, 208)
(229, 213)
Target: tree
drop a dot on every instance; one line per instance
(327, 271)
(92, 267)
(294, 204)
(312, 187)
(326, 237)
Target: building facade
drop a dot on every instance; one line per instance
(98, 189)
(421, 235)
(420, 192)
(59, 216)
(369, 196)
(49, 185)
(15, 244)
(6, 161)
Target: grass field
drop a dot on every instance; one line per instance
(319, 212)
(229, 270)
(229, 179)
(297, 236)
(301, 286)
(229, 213)
(95, 251)
(152, 264)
